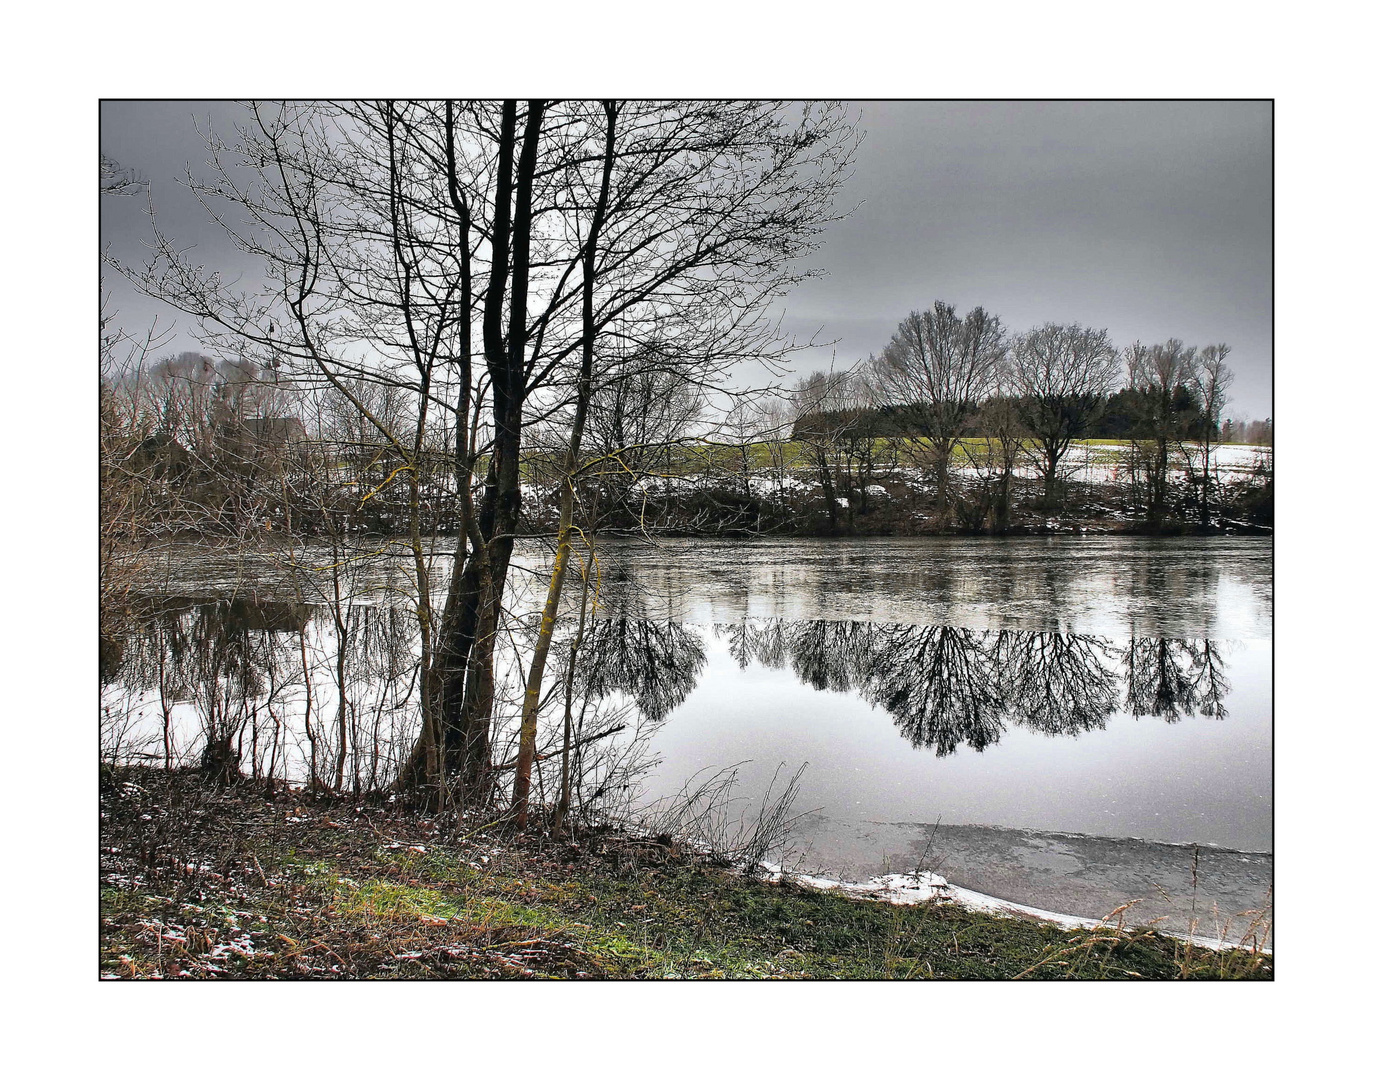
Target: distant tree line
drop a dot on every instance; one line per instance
(1113, 417)
(950, 387)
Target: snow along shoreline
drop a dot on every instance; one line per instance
(922, 887)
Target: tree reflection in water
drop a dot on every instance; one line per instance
(654, 663)
(261, 679)
(939, 684)
(268, 692)
(1172, 678)
(1060, 684)
(947, 687)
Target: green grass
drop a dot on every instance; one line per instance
(764, 459)
(677, 921)
(230, 884)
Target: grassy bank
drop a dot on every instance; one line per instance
(201, 882)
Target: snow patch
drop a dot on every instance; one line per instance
(924, 887)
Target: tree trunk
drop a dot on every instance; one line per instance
(1158, 487)
(943, 452)
(1206, 483)
(529, 718)
(465, 657)
(827, 486)
(565, 792)
(1051, 456)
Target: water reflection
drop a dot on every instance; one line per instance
(947, 687)
(267, 687)
(1171, 678)
(1102, 585)
(656, 664)
(1062, 684)
(331, 687)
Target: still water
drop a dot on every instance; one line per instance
(1115, 687)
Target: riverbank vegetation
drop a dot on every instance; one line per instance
(206, 881)
(312, 467)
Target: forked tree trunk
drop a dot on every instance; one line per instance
(464, 660)
(529, 717)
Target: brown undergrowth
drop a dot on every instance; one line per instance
(199, 881)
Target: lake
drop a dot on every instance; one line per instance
(946, 696)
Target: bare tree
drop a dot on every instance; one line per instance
(993, 459)
(1211, 380)
(938, 367)
(647, 168)
(1061, 375)
(635, 421)
(1159, 375)
(454, 250)
(859, 435)
(115, 179)
(822, 415)
(130, 470)
(563, 550)
(773, 428)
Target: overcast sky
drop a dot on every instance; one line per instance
(1151, 219)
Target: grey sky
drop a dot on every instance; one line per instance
(1152, 219)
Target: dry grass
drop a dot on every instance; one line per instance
(203, 882)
